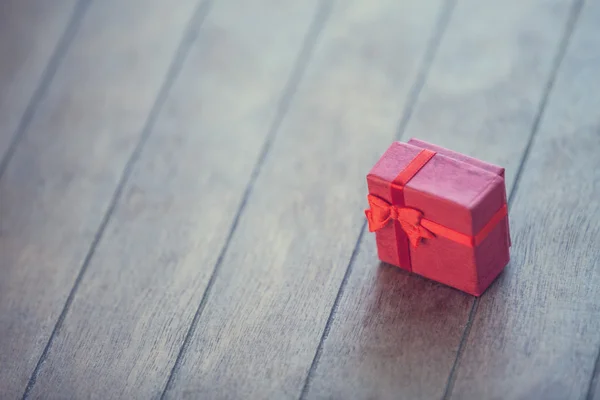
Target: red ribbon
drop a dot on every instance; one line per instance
(410, 225)
(381, 212)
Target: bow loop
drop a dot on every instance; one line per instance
(381, 212)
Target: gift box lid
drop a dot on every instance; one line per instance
(452, 189)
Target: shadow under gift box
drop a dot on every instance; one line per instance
(463, 195)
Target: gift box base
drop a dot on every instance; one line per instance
(471, 270)
(476, 288)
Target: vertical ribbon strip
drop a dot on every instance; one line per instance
(397, 196)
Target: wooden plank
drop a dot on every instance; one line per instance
(135, 304)
(263, 317)
(30, 33)
(395, 335)
(535, 334)
(58, 185)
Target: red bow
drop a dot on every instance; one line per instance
(381, 212)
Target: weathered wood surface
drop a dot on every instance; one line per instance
(187, 195)
(33, 36)
(264, 316)
(57, 187)
(138, 298)
(396, 335)
(536, 334)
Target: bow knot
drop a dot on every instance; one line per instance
(381, 213)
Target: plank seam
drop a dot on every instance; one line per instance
(413, 95)
(183, 48)
(47, 76)
(314, 31)
(557, 62)
(460, 350)
(331, 317)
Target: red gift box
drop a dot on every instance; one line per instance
(440, 214)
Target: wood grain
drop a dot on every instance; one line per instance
(248, 157)
(536, 335)
(264, 315)
(395, 335)
(57, 187)
(135, 304)
(30, 31)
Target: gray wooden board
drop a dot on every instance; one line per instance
(265, 314)
(395, 335)
(136, 302)
(536, 334)
(29, 33)
(59, 182)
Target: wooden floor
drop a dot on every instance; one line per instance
(182, 186)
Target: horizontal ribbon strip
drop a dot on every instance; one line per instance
(416, 227)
